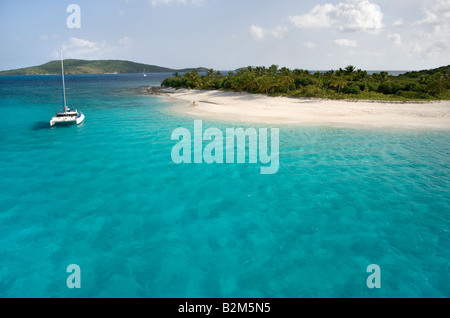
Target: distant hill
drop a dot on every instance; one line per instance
(94, 67)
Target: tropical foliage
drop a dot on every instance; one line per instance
(337, 84)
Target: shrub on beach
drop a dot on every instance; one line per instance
(352, 88)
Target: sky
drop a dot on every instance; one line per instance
(228, 34)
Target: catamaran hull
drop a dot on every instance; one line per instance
(66, 120)
(80, 119)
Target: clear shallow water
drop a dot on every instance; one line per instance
(105, 195)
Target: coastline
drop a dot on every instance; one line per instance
(252, 108)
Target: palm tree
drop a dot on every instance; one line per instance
(339, 80)
(263, 84)
(249, 81)
(273, 70)
(361, 75)
(274, 83)
(438, 84)
(194, 78)
(381, 77)
(286, 78)
(266, 83)
(260, 71)
(210, 73)
(349, 70)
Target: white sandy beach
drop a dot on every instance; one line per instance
(244, 107)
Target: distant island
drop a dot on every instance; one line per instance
(73, 66)
(347, 83)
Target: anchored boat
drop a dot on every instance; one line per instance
(68, 116)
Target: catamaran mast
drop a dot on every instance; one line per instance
(64, 85)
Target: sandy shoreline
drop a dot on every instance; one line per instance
(244, 107)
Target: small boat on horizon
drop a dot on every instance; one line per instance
(68, 116)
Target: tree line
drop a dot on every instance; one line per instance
(347, 82)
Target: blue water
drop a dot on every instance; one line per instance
(106, 195)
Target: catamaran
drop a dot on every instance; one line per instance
(69, 116)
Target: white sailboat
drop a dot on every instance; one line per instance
(69, 116)
(145, 75)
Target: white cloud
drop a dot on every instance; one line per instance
(318, 17)
(309, 45)
(350, 16)
(399, 23)
(46, 37)
(437, 13)
(77, 48)
(126, 42)
(155, 3)
(258, 33)
(345, 42)
(81, 49)
(427, 37)
(279, 32)
(430, 19)
(395, 38)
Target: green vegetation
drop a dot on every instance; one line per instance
(93, 67)
(348, 83)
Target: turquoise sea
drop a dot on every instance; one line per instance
(106, 196)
